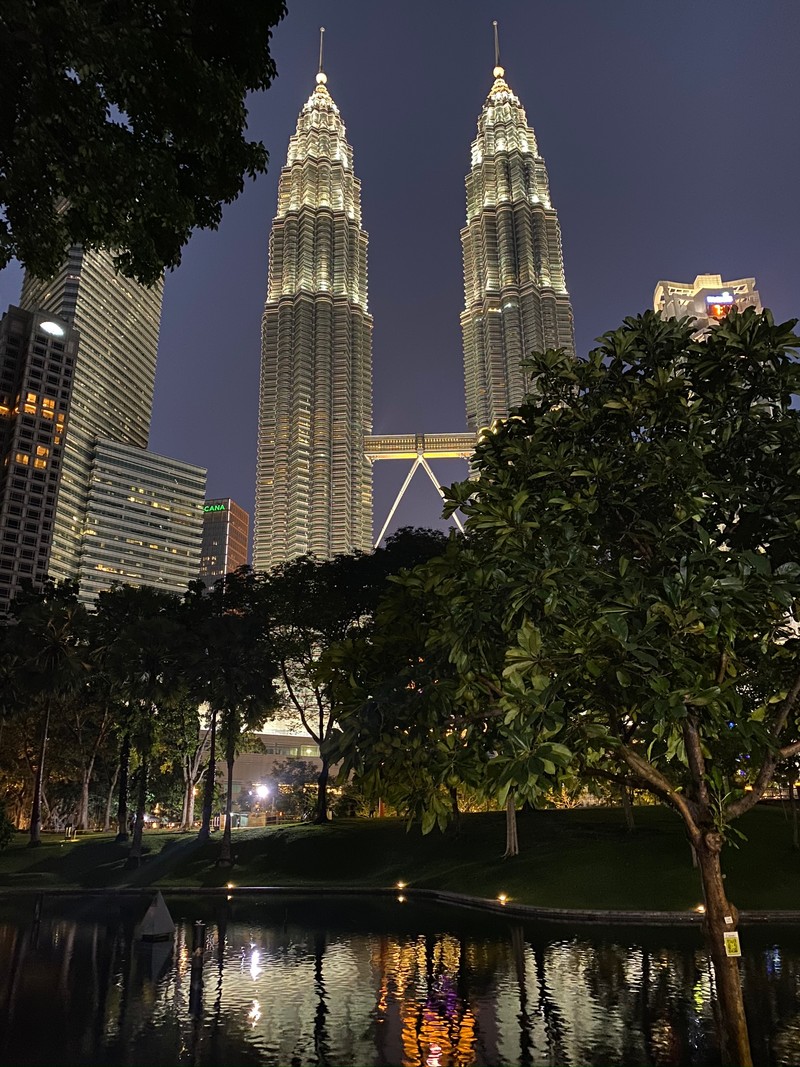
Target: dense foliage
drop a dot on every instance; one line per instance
(123, 125)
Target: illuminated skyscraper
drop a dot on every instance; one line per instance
(516, 299)
(226, 530)
(313, 482)
(112, 383)
(37, 357)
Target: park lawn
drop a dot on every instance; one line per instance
(582, 858)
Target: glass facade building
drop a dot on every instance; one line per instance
(313, 481)
(515, 295)
(226, 531)
(37, 361)
(144, 520)
(112, 385)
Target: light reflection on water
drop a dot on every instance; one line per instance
(357, 985)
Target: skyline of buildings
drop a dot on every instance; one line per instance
(315, 493)
(111, 393)
(81, 497)
(313, 481)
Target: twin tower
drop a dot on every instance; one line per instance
(315, 452)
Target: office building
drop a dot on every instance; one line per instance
(37, 360)
(313, 481)
(144, 520)
(708, 298)
(112, 384)
(516, 299)
(226, 530)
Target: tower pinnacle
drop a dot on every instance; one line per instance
(321, 76)
(498, 71)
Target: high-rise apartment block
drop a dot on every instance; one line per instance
(708, 298)
(226, 528)
(112, 388)
(516, 299)
(144, 520)
(114, 511)
(313, 481)
(38, 354)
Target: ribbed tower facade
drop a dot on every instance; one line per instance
(313, 481)
(516, 299)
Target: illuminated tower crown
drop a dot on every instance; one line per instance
(313, 482)
(516, 300)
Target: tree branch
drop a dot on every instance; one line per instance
(694, 754)
(771, 760)
(662, 788)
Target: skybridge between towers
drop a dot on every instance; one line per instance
(419, 448)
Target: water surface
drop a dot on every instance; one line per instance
(304, 981)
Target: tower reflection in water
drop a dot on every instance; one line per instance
(270, 990)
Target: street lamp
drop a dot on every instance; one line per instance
(262, 792)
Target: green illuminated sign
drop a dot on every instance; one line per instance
(213, 507)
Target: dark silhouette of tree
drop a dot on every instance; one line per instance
(122, 125)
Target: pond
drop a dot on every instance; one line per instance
(291, 981)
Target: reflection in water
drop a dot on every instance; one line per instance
(341, 986)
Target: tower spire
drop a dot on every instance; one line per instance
(498, 71)
(321, 77)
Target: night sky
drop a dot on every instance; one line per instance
(670, 133)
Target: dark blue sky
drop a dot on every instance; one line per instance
(670, 132)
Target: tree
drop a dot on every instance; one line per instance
(313, 604)
(636, 527)
(239, 667)
(52, 630)
(147, 655)
(122, 126)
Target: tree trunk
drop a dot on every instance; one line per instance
(83, 813)
(793, 807)
(110, 800)
(627, 808)
(211, 777)
(135, 854)
(122, 805)
(734, 1040)
(512, 841)
(190, 814)
(226, 853)
(453, 791)
(38, 785)
(187, 788)
(321, 810)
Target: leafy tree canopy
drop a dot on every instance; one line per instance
(122, 124)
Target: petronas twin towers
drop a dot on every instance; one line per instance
(313, 475)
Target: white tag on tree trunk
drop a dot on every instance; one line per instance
(732, 945)
(729, 920)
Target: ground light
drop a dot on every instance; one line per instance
(502, 898)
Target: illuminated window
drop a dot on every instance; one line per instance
(40, 464)
(22, 458)
(42, 450)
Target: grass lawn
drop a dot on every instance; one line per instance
(570, 859)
